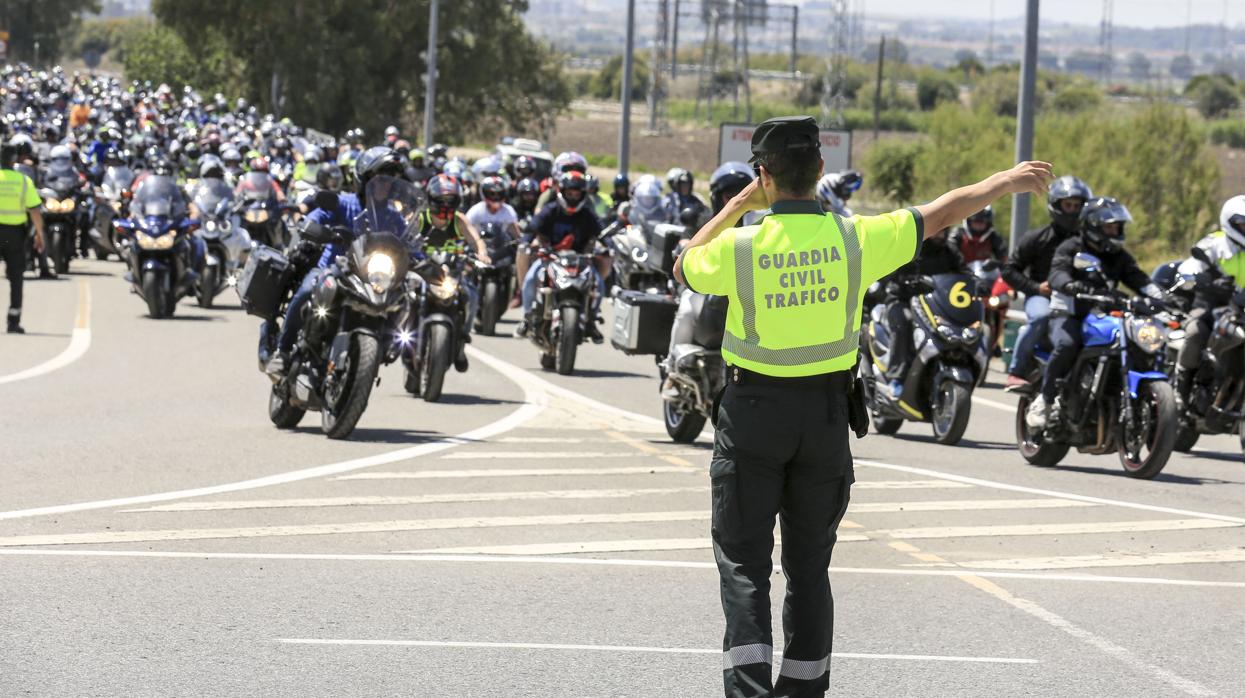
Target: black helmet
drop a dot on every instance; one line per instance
(375, 161)
(1096, 216)
(621, 180)
(524, 166)
(1066, 187)
(572, 181)
(444, 195)
(683, 177)
(438, 150)
(728, 180)
(528, 185)
(329, 176)
(493, 189)
(986, 214)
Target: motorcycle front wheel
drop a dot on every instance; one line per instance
(281, 412)
(1034, 447)
(1186, 438)
(490, 308)
(1146, 446)
(952, 405)
(345, 405)
(207, 286)
(568, 343)
(436, 361)
(155, 294)
(62, 250)
(682, 425)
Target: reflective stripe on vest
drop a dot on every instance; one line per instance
(21, 200)
(748, 347)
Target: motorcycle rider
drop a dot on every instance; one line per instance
(682, 197)
(1029, 266)
(567, 223)
(1102, 222)
(493, 209)
(834, 190)
(1219, 267)
(622, 193)
(600, 205)
(977, 239)
(232, 157)
(419, 172)
(373, 162)
(526, 196)
(446, 229)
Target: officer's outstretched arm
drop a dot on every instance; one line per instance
(958, 204)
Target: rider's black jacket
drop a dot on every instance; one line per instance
(1030, 265)
(1115, 267)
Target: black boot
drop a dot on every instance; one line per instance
(15, 321)
(1184, 387)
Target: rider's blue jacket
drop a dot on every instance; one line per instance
(344, 214)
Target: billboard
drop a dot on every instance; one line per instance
(735, 141)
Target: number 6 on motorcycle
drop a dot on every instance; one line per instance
(958, 296)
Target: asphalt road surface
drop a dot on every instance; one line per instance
(539, 535)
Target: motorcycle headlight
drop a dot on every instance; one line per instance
(155, 242)
(948, 333)
(256, 215)
(68, 205)
(380, 271)
(970, 335)
(993, 302)
(116, 206)
(210, 226)
(446, 289)
(1148, 336)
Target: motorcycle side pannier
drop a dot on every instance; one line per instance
(263, 282)
(663, 239)
(642, 322)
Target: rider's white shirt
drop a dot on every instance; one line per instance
(480, 216)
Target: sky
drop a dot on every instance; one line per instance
(1137, 13)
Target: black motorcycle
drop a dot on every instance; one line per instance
(158, 249)
(564, 304)
(697, 370)
(949, 358)
(259, 209)
(112, 202)
(434, 334)
(227, 242)
(355, 316)
(61, 192)
(497, 279)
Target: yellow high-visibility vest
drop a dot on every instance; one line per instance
(17, 194)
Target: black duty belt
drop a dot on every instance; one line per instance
(838, 380)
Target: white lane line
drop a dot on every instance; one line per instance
(1188, 557)
(599, 562)
(534, 402)
(544, 440)
(962, 505)
(301, 503)
(596, 546)
(1045, 493)
(79, 342)
(560, 455)
(1055, 529)
(95, 537)
(626, 648)
(907, 485)
(516, 472)
(1102, 644)
(986, 402)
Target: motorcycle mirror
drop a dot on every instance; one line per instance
(689, 217)
(1186, 283)
(1085, 261)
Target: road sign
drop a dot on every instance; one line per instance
(735, 141)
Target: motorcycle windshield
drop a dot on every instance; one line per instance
(393, 207)
(953, 299)
(213, 197)
(256, 186)
(158, 195)
(117, 179)
(61, 178)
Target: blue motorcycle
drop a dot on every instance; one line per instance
(165, 260)
(1116, 397)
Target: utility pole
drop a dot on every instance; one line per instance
(430, 94)
(877, 90)
(795, 23)
(746, 79)
(657, 86)
(1024, 124)
(1105, 32)
(624, 133)
(832, 98)
(674, 45)
(990, 38)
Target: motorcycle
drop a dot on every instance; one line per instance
(696, 371)
(434, 333)
(497, 282)
(1116, 397)
(222, 233)
(997, 301)
(567, 290)
(112, 203)
(160, 255)
(259, 210)
(949, 358)
(355, 314)
(60, 194)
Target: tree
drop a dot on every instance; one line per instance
(968, 64)
(1077, 98)
(607, 83)
(333, 64)
(1138, 65)
(932, 90)
(892, 169)
(896, 52)
(1181, 67)
(1216, 96)
(49, 22)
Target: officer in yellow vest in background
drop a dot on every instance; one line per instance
(795, 284)
(19, 202)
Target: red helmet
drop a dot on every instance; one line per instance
(444, 195)
(572, 191)
(259, 165)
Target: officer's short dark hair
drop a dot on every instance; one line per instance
(8, 156)
(795, 172)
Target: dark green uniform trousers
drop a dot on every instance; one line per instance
(780, 449)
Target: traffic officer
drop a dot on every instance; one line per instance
(795, 283)
(19, 200)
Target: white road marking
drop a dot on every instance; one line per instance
(542, 440)
(1055, 529)
(1187, 557)
(599, 562)
(534, 403)
(300, 503)
(986, 402)
(596, 546)
(1057, 621)
(963, 505)
(627, 648)
(1046, 493)
(907, 485)
(95, 537)
(516, 472)
(559, 455)
(79, 342)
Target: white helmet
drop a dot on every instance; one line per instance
(61, 153)
(1232, 220)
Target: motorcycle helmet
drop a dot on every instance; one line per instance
(162, 166)
(528, 192)
(646, 199)
(391, 133)
(231, 156)
(312, 156)
(444, 196)
(60, 157)
(488, 166)
(1232, 220)
(572, 191)
(1102, 225)
(728, 180)
(259, 165)
(329, 177)
(524, 166)
(1066, 187)
(985, 215)
(403, 147)
(672, 177)
(594, 184)
(455, 169)
(417, 157)
(684, 177)
(376, 161)
(493, 189)
(438, 150)
(211, 166)
(570, 161)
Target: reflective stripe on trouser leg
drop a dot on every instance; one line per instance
(802, 670)
(747, 654)
(748, 347)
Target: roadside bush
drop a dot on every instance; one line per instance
(890, 168)
(1216, 96)
(932, 90)
(1077, 98)
(1229, 133)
